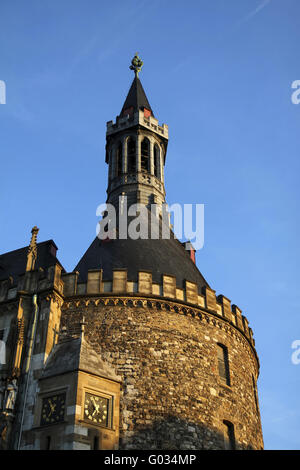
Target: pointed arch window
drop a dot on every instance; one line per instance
(119, 161)
(145, 154)
(96, 443)
(156, 161)
(131, 158)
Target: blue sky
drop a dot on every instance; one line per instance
(219, 73)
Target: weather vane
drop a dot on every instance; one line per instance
(136, 64)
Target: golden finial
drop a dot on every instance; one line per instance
(136, 64)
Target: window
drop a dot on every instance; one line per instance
(156, 161)
(2, 348)
(229, 439)
(131, 155)
(119, 159)
(145, 153)
(96, 443)
(48, 443)
(255, 393)
(223, 364)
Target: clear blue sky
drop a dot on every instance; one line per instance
(219, 73)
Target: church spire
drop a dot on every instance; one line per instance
(136, 98)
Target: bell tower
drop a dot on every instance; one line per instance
(136, 147)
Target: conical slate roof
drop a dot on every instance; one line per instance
(158, 256)
(136, 97)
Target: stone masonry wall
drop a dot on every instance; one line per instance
(172, 396)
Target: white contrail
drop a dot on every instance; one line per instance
(254, 12)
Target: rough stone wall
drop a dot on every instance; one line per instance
(172, 396)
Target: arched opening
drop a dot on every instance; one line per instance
(156, 161)
(223, 364)
(119, 160)
(131, 158)
(145, 154)
(229, 437)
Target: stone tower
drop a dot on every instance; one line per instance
(136, 147)
(133, 349)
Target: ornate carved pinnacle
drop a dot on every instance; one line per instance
(136, 64)
(32, 250)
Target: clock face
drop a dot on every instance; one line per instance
(53, 409)
(96, 409)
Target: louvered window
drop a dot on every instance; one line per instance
(223, 364)
(119, 159)
(156, 161)
(131, 155)
(145, 153)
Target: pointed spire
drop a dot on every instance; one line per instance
(136, 98)
(32, 250)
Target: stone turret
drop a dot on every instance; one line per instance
(136, 147)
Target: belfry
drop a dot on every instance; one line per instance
(132, 349)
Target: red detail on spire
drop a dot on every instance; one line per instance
(192, 255)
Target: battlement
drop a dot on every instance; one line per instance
(144, 286)
(67, 285)
(138, 118)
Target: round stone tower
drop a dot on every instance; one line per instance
(186, 358)
(133, 349)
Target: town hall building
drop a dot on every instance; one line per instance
(133, 349)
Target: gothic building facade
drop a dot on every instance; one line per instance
(133, 349)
